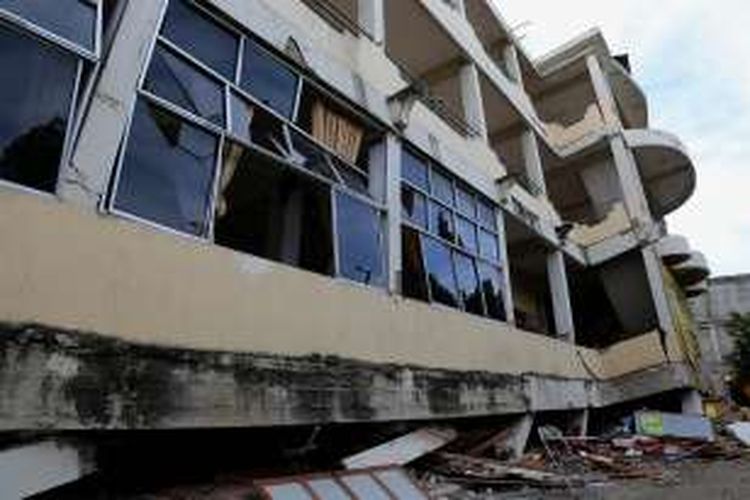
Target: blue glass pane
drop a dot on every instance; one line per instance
(468, 284)
(414, 171)
(414, 207)
(440, 272)
(254, 124)
(441, 222)
(309, 155)
(167, 171)
(466, 203)
(202, 37)
(36, 88)
(487, 216)
(181, 83)
(361, 255)
(442, 188)
(269, 80)
(492, 286)
(467, 235)
(489, 246)
(73, 20)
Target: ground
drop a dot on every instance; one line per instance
(719, 480)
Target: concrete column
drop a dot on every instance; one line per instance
(652, 262)
(32, 469)
(508, 286)
(692, 403)
(604, 95)
(372, 18)
(471, 97)
(84, 181)
(459, 5)
(393, 202)
(558, 285)
(512, 64)
(520, 435)
(580, 422)
(630, 181)
(533, 160)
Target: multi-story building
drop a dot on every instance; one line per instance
(240, 213)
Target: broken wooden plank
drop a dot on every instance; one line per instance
(492, 469)
(402, 450)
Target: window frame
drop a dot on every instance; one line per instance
(225, 135)
(454, 246)
(81, 92)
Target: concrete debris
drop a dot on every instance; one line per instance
(741, 431)
(403, 450)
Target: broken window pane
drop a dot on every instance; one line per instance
(254, 124)
(74, 20)
(414, 277)
(353, 178)
(268, 79)
(487, 216)
(202, 37)
(492, 285)
(307, 154)
(441, 222)
(167, 171)
(178, 81)
(413, 207)
(361, 256)
(36, 89)
(288, 491)
(468, 284)
(489, 246)
(328, 489)
(442, 187)
(467, 234)
(414, 171)
(364, 486)
(466, 203)
(267, 209)
(440, 272)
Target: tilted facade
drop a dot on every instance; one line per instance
(238, 213)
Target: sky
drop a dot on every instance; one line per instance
(692, 59)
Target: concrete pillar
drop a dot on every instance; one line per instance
(505, 259)
(630, 181)
(533, 160)
(460, 6)
(32, 469)
(84, 181)
(604, 95)
(652, 262)
(471, 97)
(580, 422)
(558, 285)
(393, 202)
(372, 18)
(520, 435)
(692, 403)
(512, 64)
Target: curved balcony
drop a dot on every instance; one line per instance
(629, 95)
(665, 167)
(674, 250)
(693, 271)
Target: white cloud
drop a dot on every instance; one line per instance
(692, 57)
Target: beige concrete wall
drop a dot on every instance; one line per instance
(64, 267)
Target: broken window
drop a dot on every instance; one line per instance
(167, 171)
(202, 37)
(268, 79)
(267, 209)
(36, 95)
(360, 241)
(253, 124)
(462, 269)
(73, 20)
(173, 78)
(48, 51)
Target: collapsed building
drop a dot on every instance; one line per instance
(251, 214)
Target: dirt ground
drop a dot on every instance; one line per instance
(720, 480)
